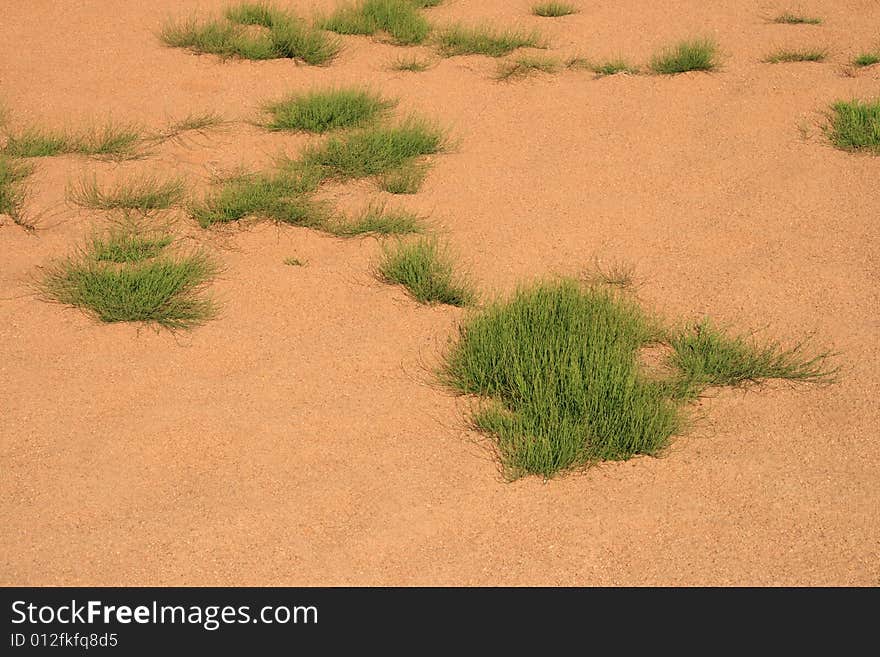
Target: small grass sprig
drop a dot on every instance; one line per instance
(790, 18)
(806, 55)
(376, 219)
(554, 9)
(426, 270)
(523, 67)
(462, 40)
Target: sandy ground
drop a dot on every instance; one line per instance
(299, 439)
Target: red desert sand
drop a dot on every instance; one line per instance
(300, 438)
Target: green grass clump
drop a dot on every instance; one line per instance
(398, 18)
(122, 279)
(560, 367)
(855, 125)
(125, 244)
(12, 173)
(145, 194)
(554, 9)
(560, 364)
(426, 270)
(376, 150)
(285, 197)
(108, 141)
(281, 36)
(695, 55)
(789, 18)
(524, 67)
(376, 220)
(613, 67)
(704, 356)
(785, 56)
(462, 40)
(411, 64)
(867, 59)
(407, 179)
(322, 111)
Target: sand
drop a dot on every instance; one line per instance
(299, 438)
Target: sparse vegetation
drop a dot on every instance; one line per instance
(867, 59)
(374, 151)
(322, 111)
(611, 67)
(705, 356)
(377, 220)
(406, 179)
(559, 367)
(426, 270)
(111, 141)
(694, 55)
(143, 193)
(294, 262)
(524, 67)
(616, 274)
(554, 9)
(789, 18)
(253, 31)
(12, 193)
(855, 125)
(462, 40)
(400, 19)
(411, 64)
(124, 278)
(191, 123)
(809, 55)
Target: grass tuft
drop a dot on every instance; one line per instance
(614, 67)
(855, 125)
(283, 36)
(554, 9)
(694, 55)
(110, 141)
(525, 66)
(376, 220)
(411, 64)
(285, 197)
(376, 150)
(407, 179)
(785, 56)
(12, 192)
(398, 18)
(124, 278)
(462, 40)
(867, 59)
(294, 262)
(322, 111)
(426, 270)
(144, 194)
(788, 18)
(704, 356)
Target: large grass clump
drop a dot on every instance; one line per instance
(285, 197)
(855, 125)
(807, 55)
(463, 40)
(694, 55)
(145, 193)
(322, 111)
(253, 31)
(12, 193)
(426, 269)
(375, 151)
(109, 141)
(123, 277)
(400, 19)
(560, 368)
(554, 9)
